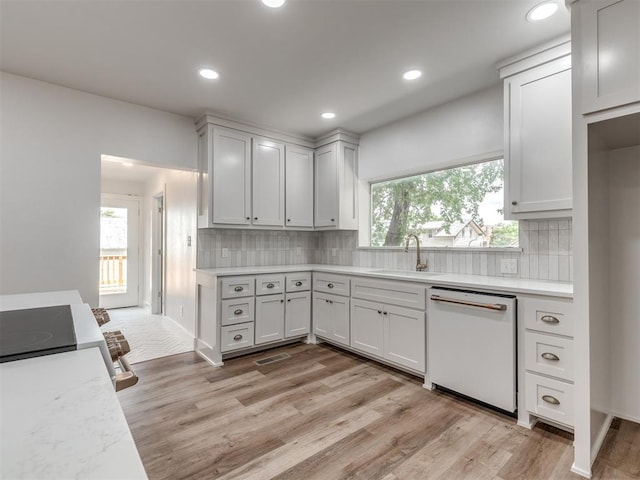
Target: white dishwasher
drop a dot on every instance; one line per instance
(471, 345)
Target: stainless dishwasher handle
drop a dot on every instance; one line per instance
(489, 306)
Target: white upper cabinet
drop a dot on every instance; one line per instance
(538, 162)
(299, 187)
(610, 52)
(336, 192)
(224, 177)
(268, 183)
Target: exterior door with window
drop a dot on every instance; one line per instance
(119, 245)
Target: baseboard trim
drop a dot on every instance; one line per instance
(178, 329)
(579, 471)
(597, 445)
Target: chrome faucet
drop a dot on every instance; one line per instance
(419, 265)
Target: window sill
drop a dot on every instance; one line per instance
(445, 249)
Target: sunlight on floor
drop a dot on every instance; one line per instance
(149, 336)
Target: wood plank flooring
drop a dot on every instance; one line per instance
(325, 414)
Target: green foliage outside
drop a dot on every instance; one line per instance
(505, 235)
(404, 206)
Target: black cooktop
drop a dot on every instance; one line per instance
(33, 332)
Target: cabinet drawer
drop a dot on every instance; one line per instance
(329, 283)
(399, 293)
(268, 284)
(549, 398)
(234, 287)
(240, 310)
(549, 355)
(551, 316)
(234, 337)
(298, 282)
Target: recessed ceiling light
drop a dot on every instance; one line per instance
(541, 11)
(208, 73)
(273, 3)
(328, 115)
(127, 164)
(412, 74)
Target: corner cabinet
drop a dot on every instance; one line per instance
(299, 186)
(538, 161)
(610, 53)
(336, 189)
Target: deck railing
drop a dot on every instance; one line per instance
(113, 272)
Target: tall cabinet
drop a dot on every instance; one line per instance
(606, 226)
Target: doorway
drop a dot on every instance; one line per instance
(119, 251)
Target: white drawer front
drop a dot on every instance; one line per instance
(399, 293)
(549, 355)
(235, 337)
(298, 282)
(329, 283)
(234, 287)
(549, 398)
(237, 310)
(268, 284)
(551, 316)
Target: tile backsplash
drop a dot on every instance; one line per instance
(546, 245)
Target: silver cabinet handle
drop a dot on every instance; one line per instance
(237, 311)
(549, 319)
(238, 289)
(237, 337)
(550, 356)
(330, 285)
(298, 284)
(270, 285)
(490, 306)
(551, 399)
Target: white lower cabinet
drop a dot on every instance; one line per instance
(390, 332)
(331, 317)
(297, 316)
(269, 318)
(234, 337)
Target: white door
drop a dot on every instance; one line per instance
(326, 183)
(269, 318)
(119, 245)
(297, 317)
(367, 327)
(268, 182)
(299, 186)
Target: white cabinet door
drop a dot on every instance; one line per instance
(405, 340)
(538, 143)
(268, 182)
(231, 177)
(299, 187)
(326, 183)
(610, 35)
(297, 319)
(269, 318)
(205, 160)
(331, 317)
(321, 315)
(367, 327)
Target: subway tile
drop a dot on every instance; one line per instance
(523, 265)
(533, 266)
(543, 267)
(554, 248)
(564, 237)
(554, 266)
(533, 242)
(563, 268)
(543, 242)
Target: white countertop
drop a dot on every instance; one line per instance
(481, 282)
(61, 419)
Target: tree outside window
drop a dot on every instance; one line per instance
(455, 207)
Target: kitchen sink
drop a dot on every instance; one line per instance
(405, 273)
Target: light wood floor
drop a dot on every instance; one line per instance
(327, 414)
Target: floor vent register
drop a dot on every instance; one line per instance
(274, 358)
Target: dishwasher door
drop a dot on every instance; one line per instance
(471, 345)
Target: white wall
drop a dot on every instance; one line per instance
(180, 196)
(51, 141)
(467, 127)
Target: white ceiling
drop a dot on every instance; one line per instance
(278, 67)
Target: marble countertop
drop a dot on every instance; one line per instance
(61, 419)
(482, 282)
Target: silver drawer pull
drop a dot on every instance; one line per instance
(298, 284)
(550, 356)
(237, 337)
(549, 319)
(551, 399)
(237, 311)
(238, 289)
(270, 285)
(330, 285)
(490, 306)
